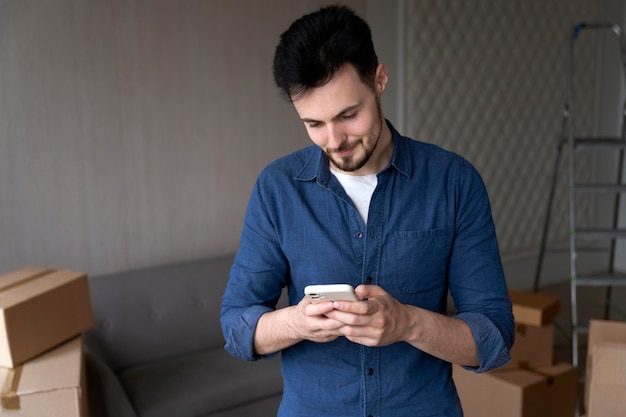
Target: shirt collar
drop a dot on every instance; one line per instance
(316, 166)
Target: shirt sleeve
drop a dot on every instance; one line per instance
(256, 280)
(477, 282)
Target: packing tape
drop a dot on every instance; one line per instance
(26, 279)
(10, 399)
(525, 366)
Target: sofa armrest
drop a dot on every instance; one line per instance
(106, 395)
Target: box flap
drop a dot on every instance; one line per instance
(518, 377)
(607, 380)
(34, 284)
(535, 309)
(57, 369)
(20, 276)
(606, 331)
(50, 384)
(609, 363)
(601, 331)
(538, 392)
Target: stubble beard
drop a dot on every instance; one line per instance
(353, 162)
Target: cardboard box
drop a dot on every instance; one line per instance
(39, 309)
(542, 392)
(607, 388)
(600, 331)
(533, 347)
(51, 385)
(534, 309)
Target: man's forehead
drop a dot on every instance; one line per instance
(343, 92)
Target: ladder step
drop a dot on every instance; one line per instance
(587, 249)
(582, 328)
(600, 188)
(600, 233)
(601, 280)
(598, 142)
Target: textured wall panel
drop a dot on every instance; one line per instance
(487, 79)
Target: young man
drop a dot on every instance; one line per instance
(400, 220)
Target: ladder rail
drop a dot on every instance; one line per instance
(548, 216)
(571, 96)
(571, 136)
(568, 138)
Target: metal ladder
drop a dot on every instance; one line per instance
(575, 144)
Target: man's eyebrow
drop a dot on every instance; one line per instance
(338, 115)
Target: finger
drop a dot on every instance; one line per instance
(318, 309)
(366, 307)
(363, 335)
(321, 324)
(355, 307)
(369, 291)
(346, 318)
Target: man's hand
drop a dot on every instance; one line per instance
(279, 329)
(382, 320)
(377, 321)
(311, 322)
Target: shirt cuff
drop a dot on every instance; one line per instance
(492, 350)
(240, 341)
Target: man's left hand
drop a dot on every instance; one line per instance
(378, 320)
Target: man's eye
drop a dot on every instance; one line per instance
(313, 125)
(349, 116)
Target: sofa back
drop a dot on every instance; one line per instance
(158, 312)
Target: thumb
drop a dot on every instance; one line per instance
(368, 291)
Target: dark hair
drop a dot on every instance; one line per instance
(317, 45)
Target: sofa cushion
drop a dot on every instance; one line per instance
(106, 396)
(199, 384)
(267, 407)
(144, 315)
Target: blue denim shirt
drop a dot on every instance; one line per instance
(429, 230)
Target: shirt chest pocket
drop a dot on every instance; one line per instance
(421, 258)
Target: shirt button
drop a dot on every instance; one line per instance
(370, 371)
(359, 235)
(369, 280)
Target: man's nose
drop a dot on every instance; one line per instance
(336, 137)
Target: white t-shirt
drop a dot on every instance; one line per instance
(359, 188)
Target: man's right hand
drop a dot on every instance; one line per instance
(312, 323)
(279, 329)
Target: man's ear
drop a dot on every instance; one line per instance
(382, 76)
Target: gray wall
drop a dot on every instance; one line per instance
(131, 131)
(488, 79)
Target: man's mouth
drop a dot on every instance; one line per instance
(345, 151)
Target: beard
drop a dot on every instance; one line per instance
(357, 160)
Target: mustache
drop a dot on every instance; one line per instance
(345, 146)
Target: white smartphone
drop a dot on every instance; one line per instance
(330, 292)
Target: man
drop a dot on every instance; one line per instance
(400, 220)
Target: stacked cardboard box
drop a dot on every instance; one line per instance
(532, 385)
(605, 382)
(42, 315)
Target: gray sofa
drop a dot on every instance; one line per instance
(156, 348)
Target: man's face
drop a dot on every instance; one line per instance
(344, 118)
